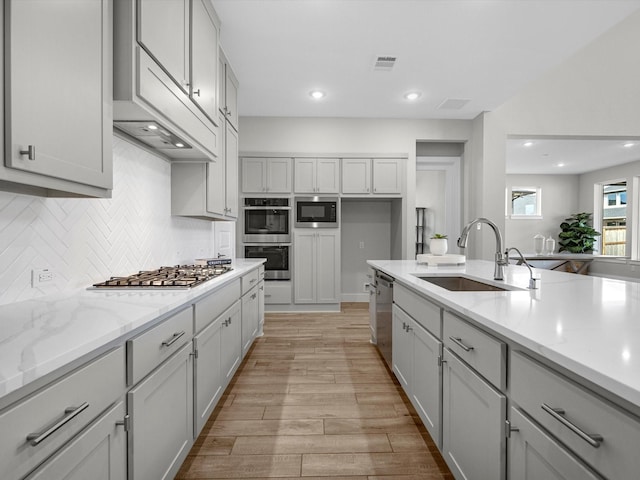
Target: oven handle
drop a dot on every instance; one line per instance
(266, 208)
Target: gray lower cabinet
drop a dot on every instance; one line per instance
(99, 452)
(161, 411)
(473, 416)
(231, 339)
(250, 318)
(402, 347)
(534, 455)
(208, 385)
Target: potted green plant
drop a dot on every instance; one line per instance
(577, 236)
(438, 244)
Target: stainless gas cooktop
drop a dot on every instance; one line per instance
(177, 277)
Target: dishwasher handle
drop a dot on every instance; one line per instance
(384, 280)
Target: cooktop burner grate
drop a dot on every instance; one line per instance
(179, 276)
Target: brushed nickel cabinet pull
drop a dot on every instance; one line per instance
(173, 339)
(196, 92)
(30, 152)
(458, 341)
(70, 413)
(592, 439)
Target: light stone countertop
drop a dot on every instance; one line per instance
(588, 325)
(42, 335)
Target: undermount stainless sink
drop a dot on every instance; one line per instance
(462, 284)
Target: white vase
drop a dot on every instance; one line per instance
(438, 246)
(538, 244)
(550, 245)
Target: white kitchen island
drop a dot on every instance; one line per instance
(575, 340)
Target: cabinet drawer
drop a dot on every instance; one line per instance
(422, 310)
(250, 280)
(149, 349)
(277, 293)
(210, 307)
(536, 389)
(89, 391)
(480, 350)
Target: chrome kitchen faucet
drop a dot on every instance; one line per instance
(500, 259)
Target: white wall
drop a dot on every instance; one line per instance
(368, 224)
(84, 241)
(559, 200)
(595, 92)
(354, 136)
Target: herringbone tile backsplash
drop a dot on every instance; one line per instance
(84, 241)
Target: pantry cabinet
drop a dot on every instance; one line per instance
(317, 266)
(317, 175)
(266, 175)
(377, 176)
(44, 155)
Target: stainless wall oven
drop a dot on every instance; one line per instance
(278, 264)
(266, 220)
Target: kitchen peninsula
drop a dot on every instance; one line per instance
(556, 368)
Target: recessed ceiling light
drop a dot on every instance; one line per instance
(317, 94)
(152, 127)
(629, 144)
(179, 145)
(560, 165)
(411, 96)
(528, 144)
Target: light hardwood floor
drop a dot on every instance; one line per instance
(314, 399)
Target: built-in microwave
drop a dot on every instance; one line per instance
(316, 212)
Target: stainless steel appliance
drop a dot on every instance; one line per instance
(316, 212)
(278, 264)
(384, 303)
(177, 277)
(266, 220)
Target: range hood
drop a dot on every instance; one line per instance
(153, 134)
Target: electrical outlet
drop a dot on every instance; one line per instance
(361, 245)
(41, 277)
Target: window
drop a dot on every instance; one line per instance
(524, 202)
(614, 219)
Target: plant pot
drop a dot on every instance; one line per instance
(438, 246)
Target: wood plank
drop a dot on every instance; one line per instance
(228, 428)
(295, 399)
(241, 466)
(330, 411)
(368, 464)
(336, 426)
(284, 444)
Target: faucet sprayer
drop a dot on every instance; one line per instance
(498, 273)
(532, 281)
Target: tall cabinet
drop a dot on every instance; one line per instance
(317, 266)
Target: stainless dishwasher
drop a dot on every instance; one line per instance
(384, 301)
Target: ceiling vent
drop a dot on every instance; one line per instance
(384, 63)
(453, 104)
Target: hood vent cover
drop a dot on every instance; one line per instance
(384, 63)
(153, 134)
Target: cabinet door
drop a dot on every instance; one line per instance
(204, 60)
(231, 96)
(535, 455)
(304, 265)
(99, 453)
(356, 175)
(387, 176)
(231, 348)
(161, 410)
(327, 267)
(473, 416)
(208, 378)
(61, 122)
(250, 313)
(260, 309)
(231, 174)
(279, 175)
(427, 380)
(328, 175)
(254, 175)
(305, 175)
(216, 172)
(402, 350)
(163, 31)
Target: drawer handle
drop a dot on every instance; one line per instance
(592, 439)
(253, 296)
(458, 341)
(172, 340)
(253, 280)
(70, 413)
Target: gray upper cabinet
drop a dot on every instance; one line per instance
(166, 71)
(204, 59)
(58, 97)
(228, 91)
